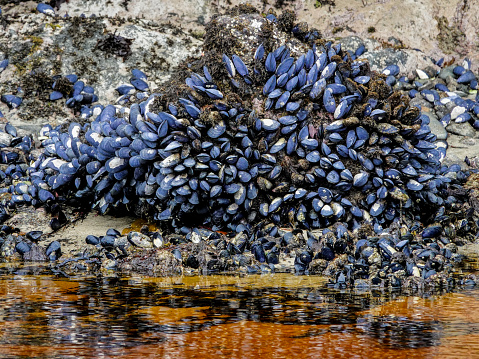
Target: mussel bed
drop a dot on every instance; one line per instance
(275, 155)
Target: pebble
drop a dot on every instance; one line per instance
(5, 139)
(140, 240)
(436, 127)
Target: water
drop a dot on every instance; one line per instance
(269, 316)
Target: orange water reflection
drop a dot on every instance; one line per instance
(280, 316)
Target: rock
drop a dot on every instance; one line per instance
(422, 74)
(427, 85)
(317, 266)
(446, 72)
(140, 240)
(5, 139)
(36, 254)
(71, 46)
(436, 127)
(459, 148)
(441, 111)
(158, 263)
(422, 103)
(121, 241)
(461, 129)
(455, 156)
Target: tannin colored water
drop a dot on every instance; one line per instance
(267, 316)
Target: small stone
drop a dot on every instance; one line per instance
(375, 258)
(451, 83)
(158, 241)
(121, 241)
(436, 127)
(5, 139)
(441, 111)
(427, 86)
(34, 236)
(422, 75)
(140, 240)
(195, 237)
(109, 264)
(361, 284)
(317, 266)
(445, 72)
(419, 101)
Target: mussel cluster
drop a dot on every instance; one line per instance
(323, 140)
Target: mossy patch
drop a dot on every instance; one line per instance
(197, 34)
(218, 41)
(84, 29)
(241, 9)
(286, 20)
(38, 83)
(450, 38)
(36, 43)
(53, 26)
(321, 3)
(393, 43)
(85, 67)
(113, 44)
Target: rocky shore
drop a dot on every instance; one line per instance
(102, 51)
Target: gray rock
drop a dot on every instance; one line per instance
(451, 83)
(459, 148)
(403, 86)
(454, 157)
(121, 241)
(38, 51)
(379, 57)
(351, 43)
(5, 139)
(461, 129)
(419, 100)
(436, 127)
(446, 72)
(429, 84)
(140, 240)
(441, 111)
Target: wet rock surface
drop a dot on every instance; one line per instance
(100, 50)
(414, 252)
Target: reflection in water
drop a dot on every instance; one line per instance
(226, 316)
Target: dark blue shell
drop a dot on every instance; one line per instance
(284, 66)
(3, 64)
(282, 80)
(139, 84)
(342, 109)
(312, 75)
(282, 100)
(360, 50)
(317, 89)
(259, 53)
(270, 85)
(240, 66)
(45, 9)
(392, 70)
(328, 101)
(328, 71)
(270, 63)
(11, 100)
